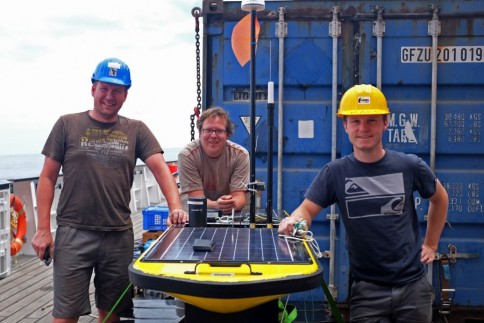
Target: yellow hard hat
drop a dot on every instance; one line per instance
(364, 99)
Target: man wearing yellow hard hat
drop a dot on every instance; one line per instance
(373, 188)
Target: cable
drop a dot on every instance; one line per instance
(301, 233)
(309, 239)
(116, 304)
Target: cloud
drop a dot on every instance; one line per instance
(49, 49)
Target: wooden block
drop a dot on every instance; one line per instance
(151, 235)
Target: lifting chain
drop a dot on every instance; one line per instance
(196, 111)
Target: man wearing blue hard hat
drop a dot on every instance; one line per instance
(97, 150)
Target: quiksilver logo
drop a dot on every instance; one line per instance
(352, 188)
(363, 100)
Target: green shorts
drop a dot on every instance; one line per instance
(80, 252)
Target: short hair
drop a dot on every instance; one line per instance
(216, 112)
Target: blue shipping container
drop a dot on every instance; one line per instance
(314, 51)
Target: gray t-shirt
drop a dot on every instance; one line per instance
(98, 161)
(214, 176)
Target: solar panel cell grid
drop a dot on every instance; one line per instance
(231, 245)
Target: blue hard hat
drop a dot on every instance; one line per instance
(112, 70)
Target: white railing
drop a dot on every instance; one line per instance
(144, 192)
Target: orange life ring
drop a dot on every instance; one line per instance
(18, 224)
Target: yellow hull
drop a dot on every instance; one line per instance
(226, 287)
(225, 306)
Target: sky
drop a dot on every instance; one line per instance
(49, 50)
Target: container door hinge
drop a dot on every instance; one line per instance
(447, 294)
(281, 25)
(379, 24)
(434, 26)
(326, 254)
(453, 255)
(335, 25)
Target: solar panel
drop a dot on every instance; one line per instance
(230, 245)
(238, 267)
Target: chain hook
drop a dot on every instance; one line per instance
(196, 14)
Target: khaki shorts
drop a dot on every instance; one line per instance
(80, 252)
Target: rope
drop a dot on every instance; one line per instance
(14, 214)
(334, 309)
(301, 233)
(116, 304)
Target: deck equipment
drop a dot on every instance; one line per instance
(244, 268)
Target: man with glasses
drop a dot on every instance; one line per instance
(213, 166)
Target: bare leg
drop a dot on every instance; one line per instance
(102, 314)
(61, 320)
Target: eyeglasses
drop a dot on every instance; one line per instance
(218, 132)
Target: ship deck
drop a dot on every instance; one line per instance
(26, 295)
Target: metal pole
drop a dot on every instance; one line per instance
(281, 32)
(335, 33)
(252, 117)
(434, 31)
(270, 127)
(379, 32)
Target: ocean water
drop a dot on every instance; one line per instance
(29, 165)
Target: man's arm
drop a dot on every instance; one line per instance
(306, 211)
(157, 165)
(45, 195)
(236, 200)
(437, 216)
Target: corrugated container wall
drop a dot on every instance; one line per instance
(437, 110)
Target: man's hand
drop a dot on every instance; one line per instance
(177, 216)
(427, 255)
(41, 241)
(226, 203)
(286, 226)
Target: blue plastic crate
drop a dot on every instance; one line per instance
(154, 218)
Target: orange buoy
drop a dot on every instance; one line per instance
(18, 224)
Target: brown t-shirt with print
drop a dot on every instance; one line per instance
(98, 161)
(214, 176)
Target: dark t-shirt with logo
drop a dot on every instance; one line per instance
(376, 203)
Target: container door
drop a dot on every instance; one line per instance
(435, 113)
